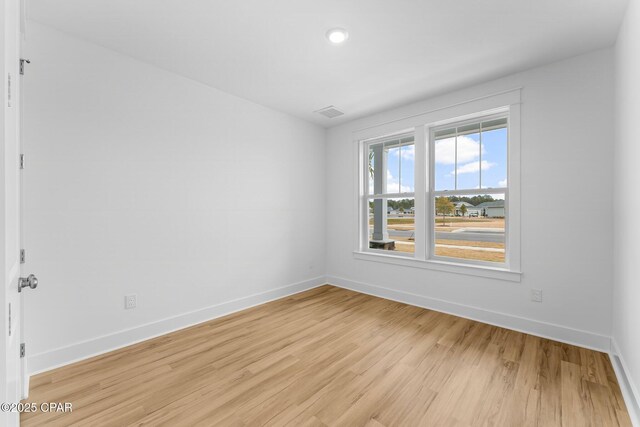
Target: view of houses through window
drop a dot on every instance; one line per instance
(400, 226)
(470, 227)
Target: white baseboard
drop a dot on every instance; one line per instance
(529, 326)
(629, 390)
(55, 358)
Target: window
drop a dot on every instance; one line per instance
(469, 190)
(439, 194)
(390, 194)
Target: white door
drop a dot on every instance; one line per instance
(11, 387)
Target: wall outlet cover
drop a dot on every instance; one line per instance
(536, 295)
(130, 301)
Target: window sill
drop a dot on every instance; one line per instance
(450, 267)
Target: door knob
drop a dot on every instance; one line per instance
(31, 281)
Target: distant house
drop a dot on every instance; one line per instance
(493, 209)
(400, 211)
(471, 210)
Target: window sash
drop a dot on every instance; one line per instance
(475, 125)
(476, 119)
(484, 123)
(398, 140)
(391, 196)
(454, 125)
(471, 192)
(391, 139)
(432, 234)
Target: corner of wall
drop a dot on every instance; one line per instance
(626, 294)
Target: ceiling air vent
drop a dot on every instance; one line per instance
(329, 112)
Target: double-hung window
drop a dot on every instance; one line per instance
(469, 190)
(440, 193)
(391, 194)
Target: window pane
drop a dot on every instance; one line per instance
(370, 169)
(470, 227)
(407, 161)
(390, 166)
(393, 168)
(494, 155)
(468, 161)
(392, 225)
(445, 163)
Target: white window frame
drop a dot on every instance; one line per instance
(365, 145)
(505, 103)
(433, 193)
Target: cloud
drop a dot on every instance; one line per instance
(406, 151)
(468, 150)
(502, 183)
(393, 185)
(474, 167)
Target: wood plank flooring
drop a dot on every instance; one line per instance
(334, 357)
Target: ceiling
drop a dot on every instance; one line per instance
(275, 53)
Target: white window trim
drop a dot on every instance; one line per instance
(504, 102)
(450, 267)
(432, 193)
(365, 196)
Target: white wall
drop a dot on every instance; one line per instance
(626, 295)
(566, 168)
(140, 181)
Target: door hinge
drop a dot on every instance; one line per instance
(21, 161)
(23, 350)
(22, 62)
(23, 256)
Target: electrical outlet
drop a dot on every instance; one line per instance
(130, 301)
(536, 295)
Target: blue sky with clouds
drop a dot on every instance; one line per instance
(493, 164)
(400, 163)
(400, 169)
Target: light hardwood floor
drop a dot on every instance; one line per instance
(334, 357)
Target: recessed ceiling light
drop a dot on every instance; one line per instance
(337, 35)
